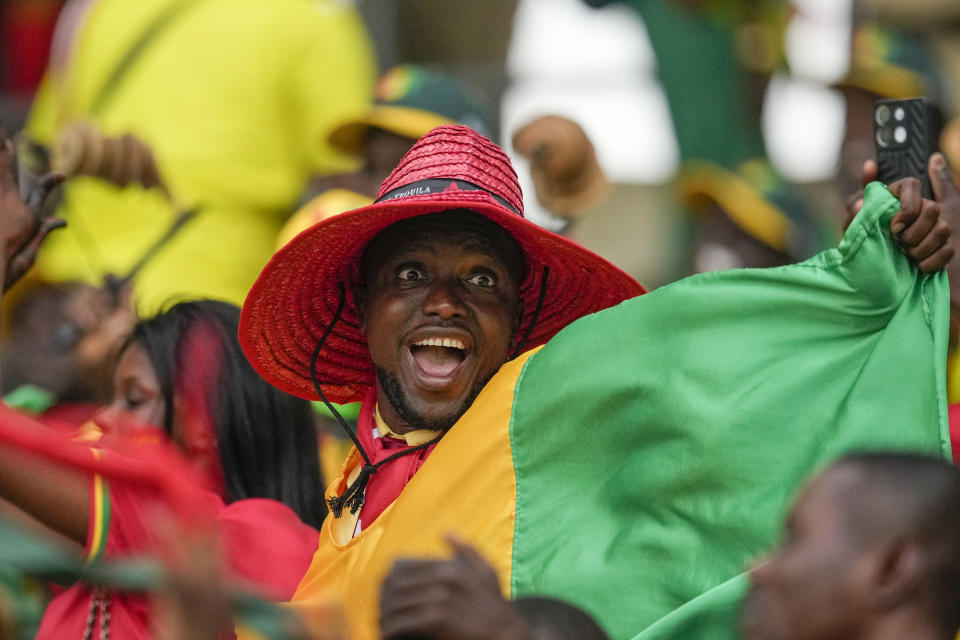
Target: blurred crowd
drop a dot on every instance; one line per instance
(281, 356)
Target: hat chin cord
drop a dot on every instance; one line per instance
(352, 498)
(536, 314)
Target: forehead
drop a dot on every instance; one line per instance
(134, 362)
(827, 498)
(466, 232)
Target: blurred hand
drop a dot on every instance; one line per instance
(922, 233)
(194, 604)
(102, 319)
(455, 599)
(24, 222)
(563, 164)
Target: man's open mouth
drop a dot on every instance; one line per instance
(438, 357)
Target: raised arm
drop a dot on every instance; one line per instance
(25, 220)
(56, 496)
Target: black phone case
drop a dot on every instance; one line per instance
(910, 159)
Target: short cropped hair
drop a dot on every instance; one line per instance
(921, 497)
(553, 619)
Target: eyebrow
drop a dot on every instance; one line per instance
(416, 245)
(481, 246)
(474, 245)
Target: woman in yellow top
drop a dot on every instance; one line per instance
(236, 100)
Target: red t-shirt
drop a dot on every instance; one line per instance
(265, 544)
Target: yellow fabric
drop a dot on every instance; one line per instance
(333, 452)
(404, 121)
(101, 517)
(748, 209)
(466, 476)
(413, 438)
(343, 528)
(953, 377)
(890, 81)
(329, 203)
(236, 98)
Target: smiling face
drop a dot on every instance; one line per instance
(816, 583)
(440, 310)
(137, 396)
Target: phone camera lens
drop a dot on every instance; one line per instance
(885, 136)
(900, 135)
(899, 114)
(883, 115)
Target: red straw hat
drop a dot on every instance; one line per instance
(296, 296)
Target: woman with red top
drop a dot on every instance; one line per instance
(180, 380)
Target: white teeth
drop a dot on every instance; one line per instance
(452, 343)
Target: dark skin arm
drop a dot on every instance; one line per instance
(24, 222)
(948, 196)
(455, 599)
(56, 496)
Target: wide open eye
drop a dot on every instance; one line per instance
(483, 280)
(411, 274)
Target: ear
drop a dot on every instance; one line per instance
(898, 573)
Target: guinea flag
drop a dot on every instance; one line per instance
(639, 461)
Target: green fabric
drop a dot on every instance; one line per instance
(700, 408)
(706, 86)
(30, 398)
(347, 411)
(23, 601)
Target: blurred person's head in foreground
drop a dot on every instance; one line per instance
(183, 372)
(554, 619)
(871, 549)
(459, 598)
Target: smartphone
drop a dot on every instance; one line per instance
(906, 133)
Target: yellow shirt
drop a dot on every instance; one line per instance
(348, 524)
(413, 438)
(468, 475)
(327, 204)
(236, 98)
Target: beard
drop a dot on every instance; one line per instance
(397, 397)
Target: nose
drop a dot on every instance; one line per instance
(443, 299)
(106, 417)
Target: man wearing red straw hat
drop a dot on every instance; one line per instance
(592, 443)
